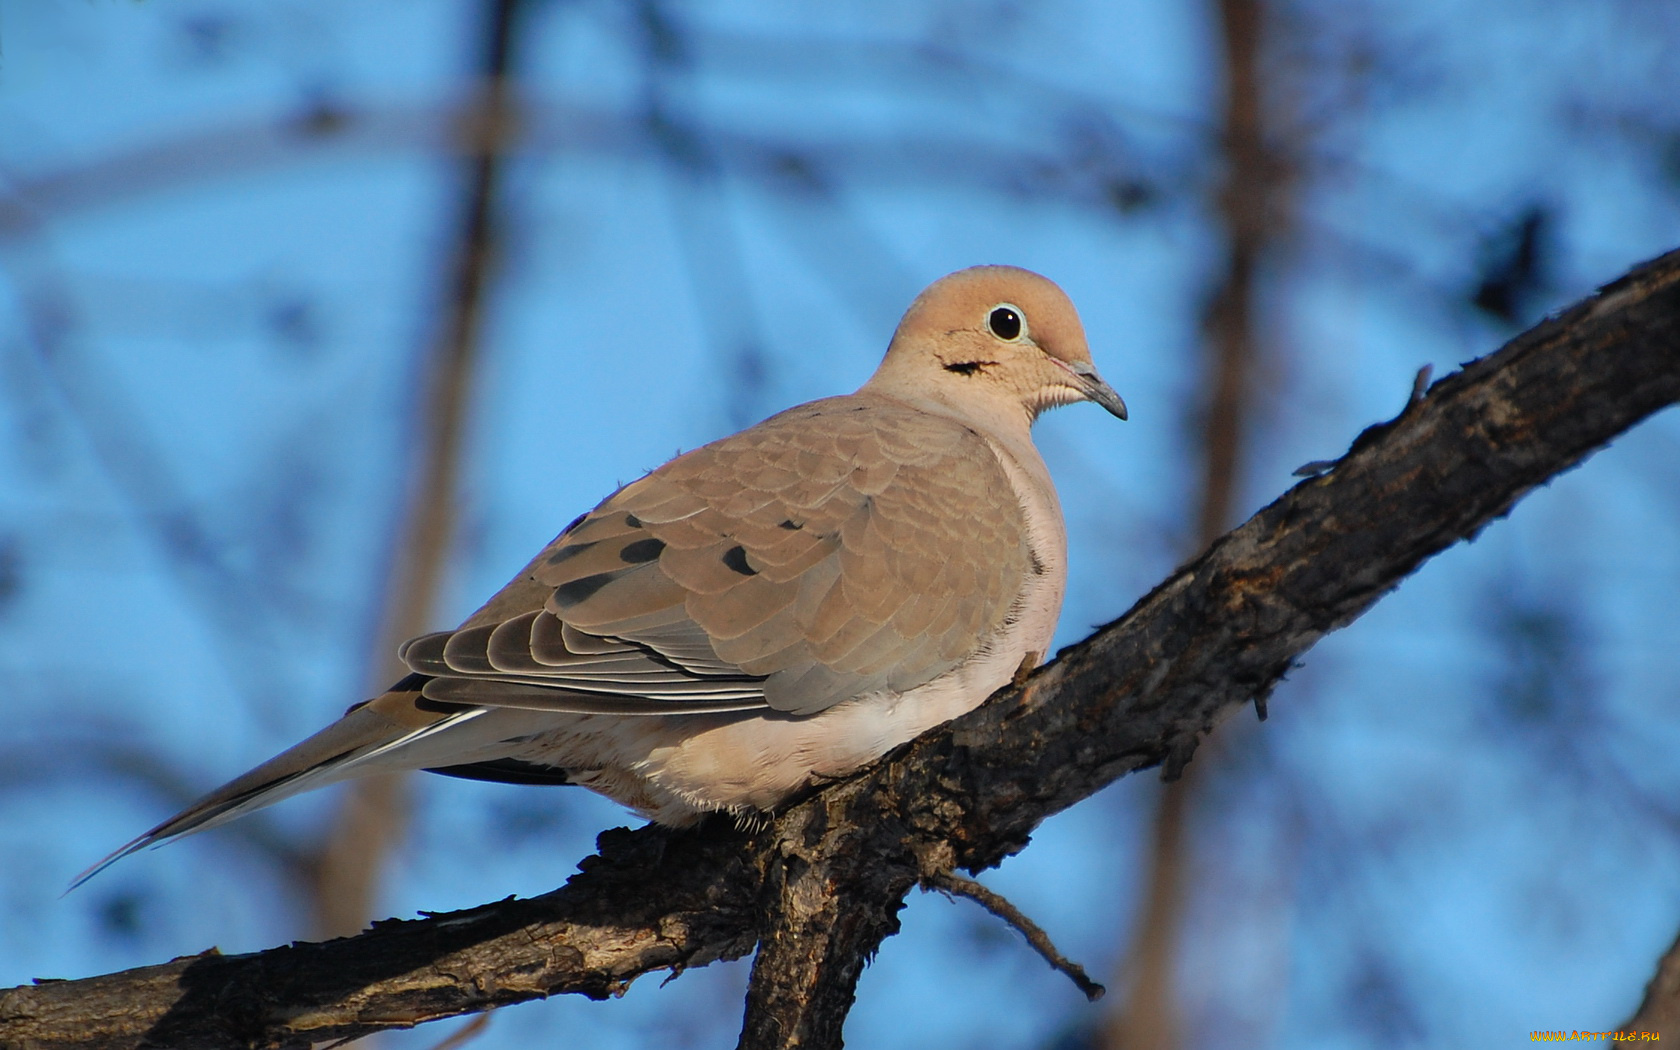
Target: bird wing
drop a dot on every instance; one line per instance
(845, 546)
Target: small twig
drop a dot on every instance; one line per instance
(1314, 469)
(1420, 384)
(951, 884)
(1420, 387)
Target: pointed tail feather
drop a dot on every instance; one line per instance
(342, 750)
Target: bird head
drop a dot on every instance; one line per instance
(997, 336)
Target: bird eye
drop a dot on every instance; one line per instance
(1005, 322)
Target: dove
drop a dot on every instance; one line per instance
(774, 609)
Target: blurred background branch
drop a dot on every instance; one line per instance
(373, 812)
(1249, 200)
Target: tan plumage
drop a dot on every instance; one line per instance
(782, 604)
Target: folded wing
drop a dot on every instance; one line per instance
(844, 547)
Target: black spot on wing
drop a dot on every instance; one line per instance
(736, 558)
(633, 521)
(641, 551)
(568, 552)
(582, 588)
(575, 523)
(790, 525)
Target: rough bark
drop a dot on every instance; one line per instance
(820, 885)
(819, 924)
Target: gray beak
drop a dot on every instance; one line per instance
(1094, 389)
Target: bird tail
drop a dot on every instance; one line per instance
(352, 746)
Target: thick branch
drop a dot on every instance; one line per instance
(651, 900)
(819, 925)
(1218, 633)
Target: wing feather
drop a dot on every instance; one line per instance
(843, 547)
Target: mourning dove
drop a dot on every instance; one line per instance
(782, 605)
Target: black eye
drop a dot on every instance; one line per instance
(1005, 322)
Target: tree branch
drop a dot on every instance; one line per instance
(651, 900)
(821, 885)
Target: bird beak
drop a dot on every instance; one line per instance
(1092, 386)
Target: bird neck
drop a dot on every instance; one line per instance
(992, 411)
